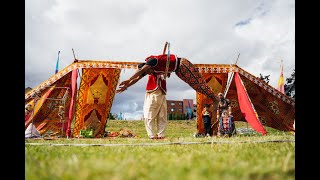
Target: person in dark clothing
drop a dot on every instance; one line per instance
(206, 117)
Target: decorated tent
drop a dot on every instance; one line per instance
(252, 100)
(60, 106)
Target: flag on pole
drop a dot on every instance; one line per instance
(57, 65)
(281, 81)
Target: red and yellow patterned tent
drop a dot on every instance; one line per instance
(88, 105)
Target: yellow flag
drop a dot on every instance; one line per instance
(281, 81)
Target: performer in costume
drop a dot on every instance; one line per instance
(182, 67)
(223, 104)
(155, 103)
(226, 125)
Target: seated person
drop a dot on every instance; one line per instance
(226, 125)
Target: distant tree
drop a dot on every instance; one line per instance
(172, 116)
(265, 78)
(289, 86)
(182, 117)
(112, 116)
(177, 116)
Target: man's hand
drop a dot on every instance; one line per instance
(120, 90)
(124, 83)
(123, 86)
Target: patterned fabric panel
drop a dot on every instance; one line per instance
(95, 97)
(272, 111)
(48, 111)
(189, 74)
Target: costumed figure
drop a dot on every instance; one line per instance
(158, 67)
(182, 67)
(226, 125)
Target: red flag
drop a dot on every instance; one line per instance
(246, 106)
(281, 81)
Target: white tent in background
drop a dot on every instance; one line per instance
(31, 132)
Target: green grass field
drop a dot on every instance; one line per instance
(179, 156)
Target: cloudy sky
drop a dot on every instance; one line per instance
(203, 31)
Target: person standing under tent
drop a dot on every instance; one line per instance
(206, 117)
(223, 104)
(155, 103)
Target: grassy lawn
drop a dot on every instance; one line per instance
(244, 156)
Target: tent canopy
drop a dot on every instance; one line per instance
(88, 107)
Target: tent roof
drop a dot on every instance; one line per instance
(203, 68)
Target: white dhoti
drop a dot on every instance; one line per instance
(155, 113)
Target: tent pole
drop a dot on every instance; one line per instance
(75, 60)
(168, 59)
(74, 56)
(230, 79)
(165, 48)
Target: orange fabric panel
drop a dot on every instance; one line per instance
(95, 97)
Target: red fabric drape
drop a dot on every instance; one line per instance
(74, 76)
(246, 107)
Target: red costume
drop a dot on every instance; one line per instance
(156, 81)
(183, 68)
(160, 67)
